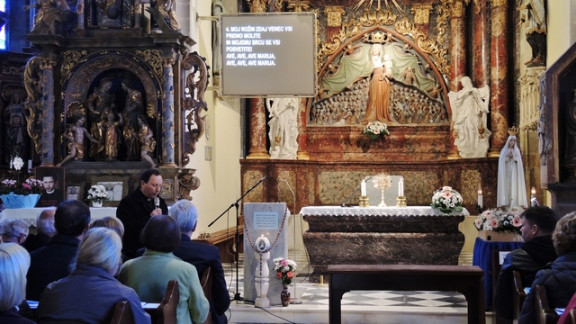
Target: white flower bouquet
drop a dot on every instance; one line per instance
(375, 129)
(500, 220)
(97, 193)
(447, 200)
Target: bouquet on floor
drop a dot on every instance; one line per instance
(285, 270)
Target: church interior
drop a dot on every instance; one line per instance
(99, 93)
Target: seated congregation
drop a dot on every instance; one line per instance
(81, 275)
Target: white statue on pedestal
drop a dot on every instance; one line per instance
(469, 115)
(262, 276)
(511, 181)
(283, 127)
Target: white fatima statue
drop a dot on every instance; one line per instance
(511, 181)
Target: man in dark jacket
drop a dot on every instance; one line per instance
(136, 209)
(202, 256)
(53, 261)
(538, 223)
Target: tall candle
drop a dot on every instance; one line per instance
(480, 198)
(401, 187)
(363, 188)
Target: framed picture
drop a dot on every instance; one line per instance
(53, 181)
(117, 188)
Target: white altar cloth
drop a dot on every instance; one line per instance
(376, 211)
(28, 215)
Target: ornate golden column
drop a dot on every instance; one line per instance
(499, 77)
(47, 136)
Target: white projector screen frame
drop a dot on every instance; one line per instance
(271, 55)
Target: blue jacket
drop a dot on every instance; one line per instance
(560, 283)
(88, 295)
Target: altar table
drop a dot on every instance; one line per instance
(28, 215)
(483, 251)
(381, 235)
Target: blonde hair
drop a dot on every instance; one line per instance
(14, 264)
(101, 247)
(564, 236)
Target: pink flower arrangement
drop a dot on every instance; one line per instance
(500, 220)
(285, 270)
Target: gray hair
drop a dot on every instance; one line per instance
(14, 264)
(45, 222)
(101, 247)
(185, 213)
(14, 229)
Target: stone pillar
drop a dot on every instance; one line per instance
(499, 77)
(457, 58)
(481, 46)
(47, 136)
(168, 114)
(257, 131)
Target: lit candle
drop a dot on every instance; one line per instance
(480, 198)
(363, 188)
(533, 192)
(401, 187)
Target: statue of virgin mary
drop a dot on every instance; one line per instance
(511, 181)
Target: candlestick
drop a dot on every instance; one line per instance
(480, 198)
(363, 188)
(401, 187)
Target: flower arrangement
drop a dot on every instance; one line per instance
(29, 186)
(375, 129)
(97, 193)
(447, 200)
(500, 220)
(285, 270)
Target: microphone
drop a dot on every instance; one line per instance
(157, 202)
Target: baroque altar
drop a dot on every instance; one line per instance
(381, 235)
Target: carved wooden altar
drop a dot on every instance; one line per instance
(112, 91)
(381, 235)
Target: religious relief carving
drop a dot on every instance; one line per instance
(334, 16)
(193, 102)
(16, 140)
(258, 5)
(298, 5)
(52, 17)
(187, 182)
(164, 16)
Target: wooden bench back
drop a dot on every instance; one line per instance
(122, 313)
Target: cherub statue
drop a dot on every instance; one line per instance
(75, 136)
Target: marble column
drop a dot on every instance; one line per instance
(457, 58)
(47, 137)
(168, 145)
(481, 45)
(257, 131)
(499, 91)
(302, 122)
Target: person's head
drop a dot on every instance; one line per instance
(49, 183)
(15, 231)
(564, 236)
(72, 218)
(161, 233)
(110, 222)
(101, 247)
(151, 183)
(14, 264)
(537, 221)
(185, 213)
(45, 222)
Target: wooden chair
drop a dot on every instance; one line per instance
(165, 313)
(206, 282)
(573, 316)
(122, 313)
(544, 313)
(519, 294)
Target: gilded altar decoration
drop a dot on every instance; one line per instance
(382, 182)
(447, 200)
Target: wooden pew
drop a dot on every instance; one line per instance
(468, 280)
(545, 314)
(122, 313)
(165, 313)
(224, 240)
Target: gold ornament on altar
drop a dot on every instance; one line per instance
(382, 182)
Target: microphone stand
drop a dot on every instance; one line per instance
(237, 234)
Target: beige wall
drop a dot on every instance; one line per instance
(561, 29)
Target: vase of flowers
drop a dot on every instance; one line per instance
(376, 129)
(499, 224)
(447, 200)
(285, 271)
(96, 195)
(16, 194)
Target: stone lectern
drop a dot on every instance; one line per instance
(269, 220)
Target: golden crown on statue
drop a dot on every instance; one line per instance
(377, 37)
(513, 131)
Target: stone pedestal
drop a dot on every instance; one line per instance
(373, 235)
